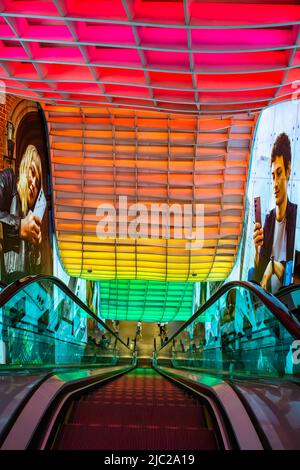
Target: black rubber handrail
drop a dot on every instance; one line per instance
(287, 290)
(12, 289)
(277, 308)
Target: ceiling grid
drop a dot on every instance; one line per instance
(208, 57)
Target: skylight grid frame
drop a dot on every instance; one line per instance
(272, 42)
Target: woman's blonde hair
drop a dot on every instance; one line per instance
(30, 154)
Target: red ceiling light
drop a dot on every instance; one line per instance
(178, 56)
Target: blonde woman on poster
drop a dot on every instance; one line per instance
(22, 234)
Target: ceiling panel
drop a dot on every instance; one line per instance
(182, 56)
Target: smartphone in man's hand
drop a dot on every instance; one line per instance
(257, 210)
(40, 205)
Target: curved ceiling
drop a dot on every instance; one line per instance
(155, 100)
(98, 155)
(189, 56)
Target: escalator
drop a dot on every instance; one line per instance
(140, 410)
(51, 343)
(43, 324)
(250, 340)
(241, 329)
(210, 387)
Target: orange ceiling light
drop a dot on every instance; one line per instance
(210, 57)
(98, 155)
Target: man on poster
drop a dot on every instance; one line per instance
(274, 244)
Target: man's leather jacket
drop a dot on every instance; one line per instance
(266, 249)
(19, 257)
(10, 221)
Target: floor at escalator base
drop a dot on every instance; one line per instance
(144, 362)
(140, 410)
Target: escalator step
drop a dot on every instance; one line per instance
(91, 413)
(139, 401)
(118, 437)
(137, 411)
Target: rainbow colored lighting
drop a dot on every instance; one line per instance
(154, 100)
(209, 57)
(100, 154)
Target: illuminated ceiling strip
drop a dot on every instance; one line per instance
(148, 48)
(162, 100)
(84, 103)
(180, 71)
(158, 86)
(154, 24)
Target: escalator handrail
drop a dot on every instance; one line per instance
(287, 290)
(276, 307)
(12, 289)
(283, 295)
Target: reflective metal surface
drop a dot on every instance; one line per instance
(277, 409)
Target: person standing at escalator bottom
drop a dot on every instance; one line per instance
(139, 330)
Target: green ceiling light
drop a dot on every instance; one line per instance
(151, 301)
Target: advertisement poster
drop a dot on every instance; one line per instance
(273, 232)
(25, 202)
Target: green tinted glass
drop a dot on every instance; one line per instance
(237, 334)
(41, 325)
